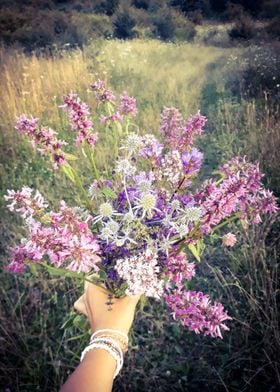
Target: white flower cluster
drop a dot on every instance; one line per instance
(172, 167)
(141, 274)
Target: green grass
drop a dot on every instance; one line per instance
(36, 354)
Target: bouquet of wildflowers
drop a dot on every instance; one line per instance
(140, 227)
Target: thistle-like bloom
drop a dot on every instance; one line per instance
(44, 139)
(25, 203)
(140, 272)
(79, 119)
(125, 167)
(132, 144)
(229, 239)
(194, 310)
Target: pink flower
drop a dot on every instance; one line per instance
(229, 239)
(179, 134)
(44, 139)
(79, 119)
(101, 92)
(25, 203)
(127, 105)
(179, 269)
(194, 310)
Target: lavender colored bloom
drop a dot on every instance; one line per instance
(19, 256)
(79, 119)
(192, 161)
(152, 148)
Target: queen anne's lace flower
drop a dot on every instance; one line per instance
(141, 274)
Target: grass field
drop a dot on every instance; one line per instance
(36, 354)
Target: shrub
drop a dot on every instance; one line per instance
(172, 25)
(164, 24)
(124, 23)
(90, 26)
(273, 28)
(244, 27)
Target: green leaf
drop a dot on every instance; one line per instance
(108, 192)
(61, 272)
(69, 172)
(69, 322)
(33, 269)
(142, 302)
(200, 247)
(70, 157)
(194, 251)
(80, 322)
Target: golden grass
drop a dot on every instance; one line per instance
(157, 74)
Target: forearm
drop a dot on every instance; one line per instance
(94, 374)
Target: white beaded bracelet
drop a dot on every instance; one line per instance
(113, 331)
(108, 344)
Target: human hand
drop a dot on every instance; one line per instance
(93, 305)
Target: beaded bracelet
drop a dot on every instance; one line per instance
(109, 344)
(119, 336)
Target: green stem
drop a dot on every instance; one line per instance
(73, 175)
(89, 154)
(234, 217)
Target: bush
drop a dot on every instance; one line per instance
(90, 26)
(123, 24)
(172, 25)
(273, 28)
(244, 27)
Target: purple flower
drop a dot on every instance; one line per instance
(192, 161)
(152, 147)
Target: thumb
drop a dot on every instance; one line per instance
(80, 305)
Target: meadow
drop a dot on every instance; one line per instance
(227, 85)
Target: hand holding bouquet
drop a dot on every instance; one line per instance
(140, 226)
